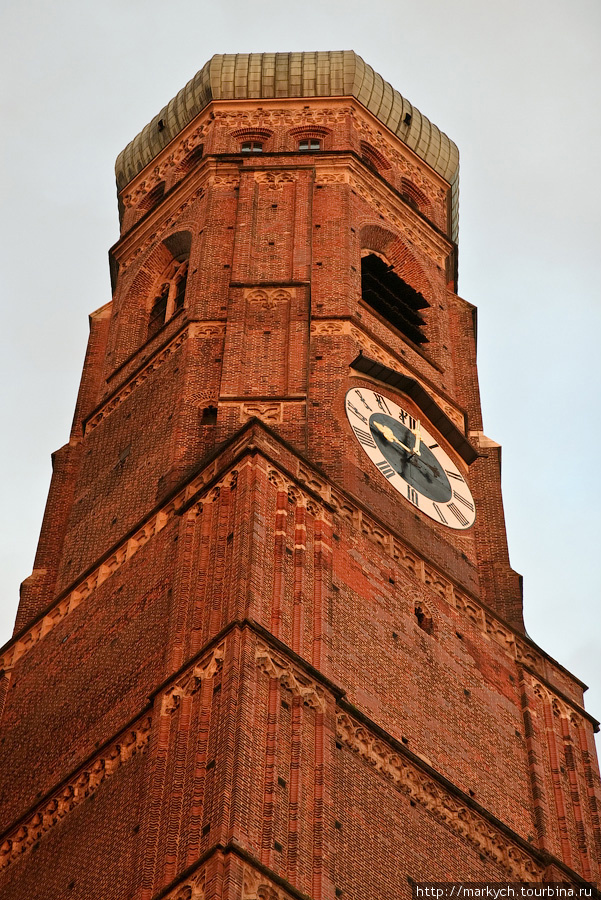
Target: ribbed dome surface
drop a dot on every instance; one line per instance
(266, 76)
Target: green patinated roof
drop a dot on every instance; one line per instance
(250, 76)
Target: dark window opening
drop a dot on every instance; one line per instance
(424, 620)
(170, 297)
(392, 298)
(370, 162)
(251, 147)
(209, 415)
(180, 292)
(309, 144)
(159, 310)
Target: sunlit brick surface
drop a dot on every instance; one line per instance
(244, 665)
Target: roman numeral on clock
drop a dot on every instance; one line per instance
(385, 468)
(365, 437)
(439, 513)
(465, 502)
(354, 410)
(413, 496)
(454, 475)
(407, 420)
(382, 403)
(363, 400)
(458, 514)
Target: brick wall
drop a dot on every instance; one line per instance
(244, 666)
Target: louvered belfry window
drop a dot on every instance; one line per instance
(393, 298)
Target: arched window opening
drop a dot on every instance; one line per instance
(393, 298)
(170, 296)
(251, 147)
(414, 197)
(193, 157)
(180, 291)
(424, 619)
(158, 311)
(152, 198)
(309, 138)
(209, 415)
(309, 145)
(373, 159)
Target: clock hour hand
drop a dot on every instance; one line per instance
(391, 437)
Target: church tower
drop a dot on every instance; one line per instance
(272, 647)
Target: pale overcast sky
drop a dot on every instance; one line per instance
(515, 84)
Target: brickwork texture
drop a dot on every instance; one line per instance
(244, 666)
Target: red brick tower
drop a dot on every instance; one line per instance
(272, 646)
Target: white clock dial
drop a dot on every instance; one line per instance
(410, 458)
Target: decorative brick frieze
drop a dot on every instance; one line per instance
(255, 886)
(191, 889)
(81, 785)
(87, 586)
(431, 794)
(276, 666)
(268, 298)
(275, 181)
(139, 189)
(225, 181)
(192, 680)
(334, 177)
(284, 117)
(151, 180)
(164, 224)
(271, 412)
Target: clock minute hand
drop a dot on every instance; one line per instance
(417, 434)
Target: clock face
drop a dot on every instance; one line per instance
(410, 458)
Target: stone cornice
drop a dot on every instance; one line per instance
(269, 77)
(19, 839)
(222, 471)
(442, 799)
(405, 770)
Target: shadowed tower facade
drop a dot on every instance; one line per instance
(272, 647)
